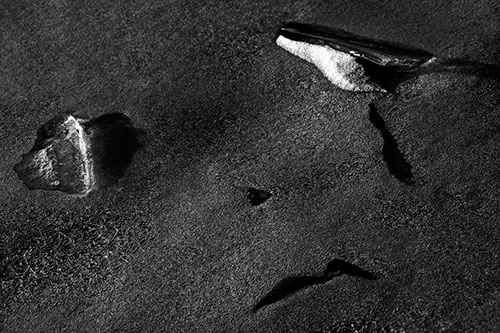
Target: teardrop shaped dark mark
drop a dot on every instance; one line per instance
(256, 196)
(396, 163)
(293, 284)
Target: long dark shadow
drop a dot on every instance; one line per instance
(293, 284)
(288, 286)
(461, 66)
(390, 78)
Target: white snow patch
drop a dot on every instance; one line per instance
(340, 68)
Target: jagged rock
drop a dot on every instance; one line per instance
(60, 159)
(76, 156)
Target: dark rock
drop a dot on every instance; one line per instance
(379, 52)
(351, 62)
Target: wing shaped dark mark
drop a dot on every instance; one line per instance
(293, 284)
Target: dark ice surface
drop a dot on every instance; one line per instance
(174, 246)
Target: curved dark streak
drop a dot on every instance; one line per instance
(396, 163)
(293, 284)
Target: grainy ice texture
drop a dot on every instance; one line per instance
(175, 244)
(340, 68)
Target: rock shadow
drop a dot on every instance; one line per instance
(461, 66)
(113, 142)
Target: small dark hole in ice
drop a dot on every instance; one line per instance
(257, 197)
(396, 163)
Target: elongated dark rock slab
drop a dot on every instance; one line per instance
(380, 52)
(351, 62)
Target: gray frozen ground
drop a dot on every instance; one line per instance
(176, 246)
